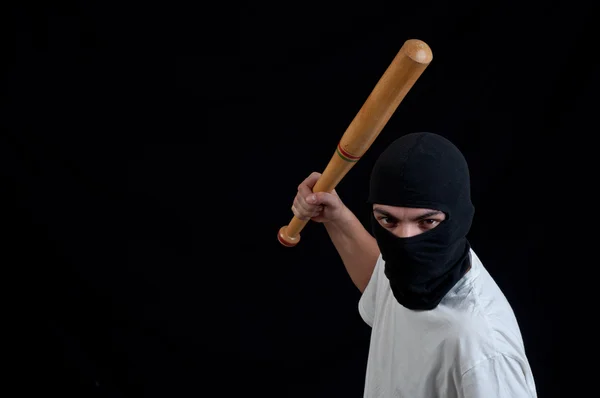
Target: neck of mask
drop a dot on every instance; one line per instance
(422, 269)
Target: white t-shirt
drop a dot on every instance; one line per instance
(469, 346)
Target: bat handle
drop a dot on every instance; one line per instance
(289, 235)
(336, 169)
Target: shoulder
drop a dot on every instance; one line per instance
(481, 354)
(500, 375)
(483, 325)
(368, 302)
(469, 339)
(375, 277)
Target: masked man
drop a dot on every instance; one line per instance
(441, 326)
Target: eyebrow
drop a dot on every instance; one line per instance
(421, 217)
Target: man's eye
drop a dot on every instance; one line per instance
(429, 222)
(386, 220)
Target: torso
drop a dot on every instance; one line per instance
(425, 353)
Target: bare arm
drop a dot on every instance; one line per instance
(357, 248)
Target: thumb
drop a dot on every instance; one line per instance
(321, 198)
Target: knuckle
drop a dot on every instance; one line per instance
(295, 211)
(298, 212)
(299, 201)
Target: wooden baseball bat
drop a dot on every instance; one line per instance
(390, 90)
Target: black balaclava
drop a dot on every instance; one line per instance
(424, 170)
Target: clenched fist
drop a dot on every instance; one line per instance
(318, 206)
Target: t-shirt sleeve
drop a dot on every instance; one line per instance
(367, 302)
(497, 377)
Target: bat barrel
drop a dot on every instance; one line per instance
(392, 87)
(390, 90)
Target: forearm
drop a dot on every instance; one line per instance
(357, 248)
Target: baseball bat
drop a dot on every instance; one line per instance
(400, 76)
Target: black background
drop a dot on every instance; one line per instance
(150, 152)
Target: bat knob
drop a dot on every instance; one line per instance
(285, 239)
